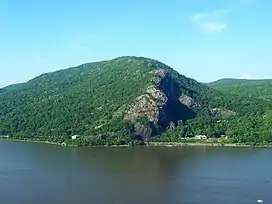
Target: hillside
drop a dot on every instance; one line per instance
(124, 101)
(259, 89)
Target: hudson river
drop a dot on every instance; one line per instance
(33, 173)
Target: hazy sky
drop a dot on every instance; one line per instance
(203, 39)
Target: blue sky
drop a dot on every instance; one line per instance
(205, 40)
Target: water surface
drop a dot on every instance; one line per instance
(41, 173)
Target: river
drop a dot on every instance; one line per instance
(32, 173)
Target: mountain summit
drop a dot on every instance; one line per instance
(127, 97)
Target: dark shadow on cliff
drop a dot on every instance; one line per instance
(173, 112)
(178, 111)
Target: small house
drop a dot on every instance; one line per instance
(74, 137)
(200, 137)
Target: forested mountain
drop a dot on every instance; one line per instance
(127, 100)
(259, 89)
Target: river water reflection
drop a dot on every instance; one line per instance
(40, 173)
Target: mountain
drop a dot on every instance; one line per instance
(124, 101)
(259, 89)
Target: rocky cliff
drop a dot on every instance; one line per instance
(107, 97)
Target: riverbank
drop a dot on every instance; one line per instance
(32, 141)
(203, 144)
(149, 144)
(64, 144)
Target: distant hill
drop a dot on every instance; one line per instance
(259, 89)
(128, 100)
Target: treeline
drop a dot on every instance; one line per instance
(90, 100)
(85, 100)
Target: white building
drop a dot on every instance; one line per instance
(74, 137)
(200, 137)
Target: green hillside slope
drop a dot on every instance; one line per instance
(259, 89)
(124, 101)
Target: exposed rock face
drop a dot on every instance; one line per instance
(159, 74)
(150, 105)
(187, 101)
(160, 104)
(147, 105)
(221, 113)
(142, 131)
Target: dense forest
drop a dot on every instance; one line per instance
(131, 100)
(256, 89)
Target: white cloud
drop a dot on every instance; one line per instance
(211, 22)
(200, 16)
(213, 27)
(245, 76)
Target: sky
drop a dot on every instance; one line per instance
(202, 39)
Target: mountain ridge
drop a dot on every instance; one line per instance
(119, 101)
(237, 80)
(253, 88)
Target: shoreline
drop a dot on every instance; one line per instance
(31, 141)
(150, 144)
(63, 144)
(204, 144)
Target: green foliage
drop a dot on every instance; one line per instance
(254, 122)
(90, 100)
(86, 100)
(143, 121)
(256, 89)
